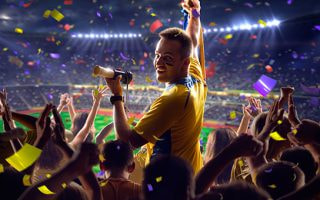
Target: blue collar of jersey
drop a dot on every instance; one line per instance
(188, 81)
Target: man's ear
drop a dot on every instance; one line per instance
(131, 167)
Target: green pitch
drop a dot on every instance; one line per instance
(102, 121)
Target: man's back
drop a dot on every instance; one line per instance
(120, 189)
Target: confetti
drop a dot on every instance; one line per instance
(101, 158)
(148, 79)
(256, 55)
(43, 189)
(155, 25)
(241, 163)
(123, 56)
(317, 27)
(46, 13)
(26, 5)
(131, 120)
(294, 131)
(228, 37)
(268, 170)
(64, 185)
(273, 186)
(39, 51)
(133, 62)
(264, 85)
(158, 139)
(289, 2)
(159, 179)
(223, 41)
(269, 68)
(48, 175)
(95, 92)
(153, 14)
(233, 115)
(67, 2)
(5, 49)
(55, 14)
(1, 168)
(279, 122)
(276, 136)
(212, 24)
(103, 184)
(18, 30)
(25, 157)
(248, 5)
(150, 188)
(263, 23)
(54, 55)
(26, 180)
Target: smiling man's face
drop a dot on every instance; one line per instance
(168, 61)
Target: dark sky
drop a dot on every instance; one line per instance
(115, 15)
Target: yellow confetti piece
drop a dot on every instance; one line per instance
(250, 66)
(131, 120)
(133, 62)
(101, 87)
(153, 14)
(103, 184)
(256, 55)
(64, 185)
(1, 168)
(48, 175)
(39, 51)
(43, 189)
(233, 115)
(158, 139)
(294, 131)
(18, 30)
(279, 122)
(276, 136)
(212, 24)
(228, 37)
(273, 186)
(55, 14)
(58, 43)
(263, 23)
(159, 179)
(46, 13)
(25, 157)
(26, 180)
(240, 162)
(95, 92)
(5, 49)
(101, 158)
(148, 79)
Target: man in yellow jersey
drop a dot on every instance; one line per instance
(174, 121)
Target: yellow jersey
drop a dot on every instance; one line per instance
(173, 123)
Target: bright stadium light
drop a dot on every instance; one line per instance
(244, 27)
(106, 35)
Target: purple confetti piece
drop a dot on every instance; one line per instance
(294, 55)
(150, 188)
(123, 56)
(110, 15)
(249, 5)
(98, 14)
(268, 170)
(195, 13)
(289, 2)
(317, 27)
(264, 85)
(142, 68)
(55, 55)
(50, 96)
(26, 72)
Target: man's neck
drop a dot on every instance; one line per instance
(117, 175)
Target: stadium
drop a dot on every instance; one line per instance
(45, 55)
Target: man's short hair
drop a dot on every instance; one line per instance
(117, 154)
(279, 178)
(180, 36)
(304, 159)
(169, 178)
